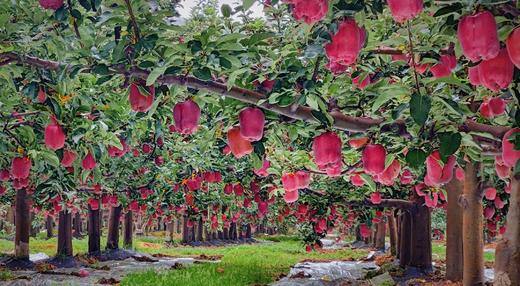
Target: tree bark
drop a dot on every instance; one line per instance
(392, 229)
(421, 236)
(472, 228)
(185, 231)
(248, 231)
(170, 229)
(94, 231)
(78, 229)
(233, 229)
(405, 251)
(129, 230)
(454, 246)
(358, 234)
(22, 225)
(397, 215)
(113, 228)
(507, 262)
(65, 234)
(178, 223)
(49, 225)
(158, 226)
(207, 236)
(200, 230)
(226, 233)
(380, 235)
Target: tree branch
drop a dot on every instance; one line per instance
(386, 203)
(133, 19)
(74, 23)
(412, 55)
(341, 121)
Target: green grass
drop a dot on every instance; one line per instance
(46, 246)
(241, 265)
(246, 264)
(439, 252)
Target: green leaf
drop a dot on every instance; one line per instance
(396, 113)
(85, 4)
(420, 108)
(26, 133)
(258, 37)
(370, 183)
(49, 157)
(233, 77)
(388, 93)
(312, 101)
(259, 148)
(321, 117)
(257, 162)
(203, 73)
(246, 4)
(100, 69)
(449, 9)
(389, 160)
(143, 90)
(156, 73)
(450, 143)
(226, 10)
(415, 158)
(450, 104)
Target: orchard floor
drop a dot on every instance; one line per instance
(245, 264)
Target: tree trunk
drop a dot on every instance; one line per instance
(158, 226)
(454, 250)
(248, 231)
(113, 228)
(206, 234)
(65, 234)
(170, 229)
(77, 225)
(185, 231)
(200, 227)
(472, 228)
(22, 224)
(129, 230)
(49, 225)
(507, 262)
(358, 234)
(421, 236)
(178, 223)
(94, 231)
(392, 229)
(139, 225)
(405, 251)
(226, 233)
(380, 236)
(233, 235)
(397, 215)
(195, 231)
